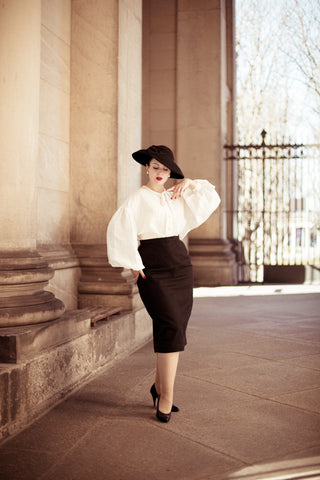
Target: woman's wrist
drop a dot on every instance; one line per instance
(192, 184)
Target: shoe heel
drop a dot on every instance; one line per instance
(163, 417)
(154, 394)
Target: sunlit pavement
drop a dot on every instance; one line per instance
(255, 289)
(248, 388)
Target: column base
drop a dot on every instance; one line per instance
(23, 300)
(64, 262)
(213, 262)
(101, 284)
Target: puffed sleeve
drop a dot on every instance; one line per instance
(122, 242)
(199, 203)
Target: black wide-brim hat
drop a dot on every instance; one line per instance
(161, 153)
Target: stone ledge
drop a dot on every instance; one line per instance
(34, 386)
(18, 344)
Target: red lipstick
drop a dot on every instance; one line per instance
(159, 178)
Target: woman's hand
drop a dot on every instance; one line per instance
(179, 188)
(136, 274)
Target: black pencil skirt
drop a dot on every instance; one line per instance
(167, 291)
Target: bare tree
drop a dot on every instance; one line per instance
(278, 53)
(262, 85)
(301, 45)
(301, 21)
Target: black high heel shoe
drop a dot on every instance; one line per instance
(163, 417)
(155, 395)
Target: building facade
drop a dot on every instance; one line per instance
(83, 85)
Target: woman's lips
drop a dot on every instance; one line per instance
(159, 178)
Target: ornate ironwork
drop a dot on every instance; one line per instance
(277, 207)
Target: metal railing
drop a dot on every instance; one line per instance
(278, 206)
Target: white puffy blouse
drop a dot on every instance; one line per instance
(148, 214)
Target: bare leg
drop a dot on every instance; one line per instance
(157, 379)
(167, 364)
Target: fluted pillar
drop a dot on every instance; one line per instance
(23, 273)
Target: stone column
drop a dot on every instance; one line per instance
(23, 273)
(159, 73)
(202, 96)
(105, 129)
(53, 185)
(231, 167)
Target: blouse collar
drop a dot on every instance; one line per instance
(153, 191)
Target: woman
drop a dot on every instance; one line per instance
(145, 235)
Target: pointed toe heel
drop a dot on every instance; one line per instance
(155, 395)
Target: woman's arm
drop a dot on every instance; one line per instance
(200, 200)
(122, 242)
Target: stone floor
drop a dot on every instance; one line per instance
(248, 387)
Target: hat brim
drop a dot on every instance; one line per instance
(143, 157)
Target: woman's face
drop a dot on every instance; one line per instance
(158, 173)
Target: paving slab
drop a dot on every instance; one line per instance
(253, 431)
(262, 377)
(308, 400)
(248, 387)
(311, 362)
(148, 450)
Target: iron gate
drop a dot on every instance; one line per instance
(278, 206)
